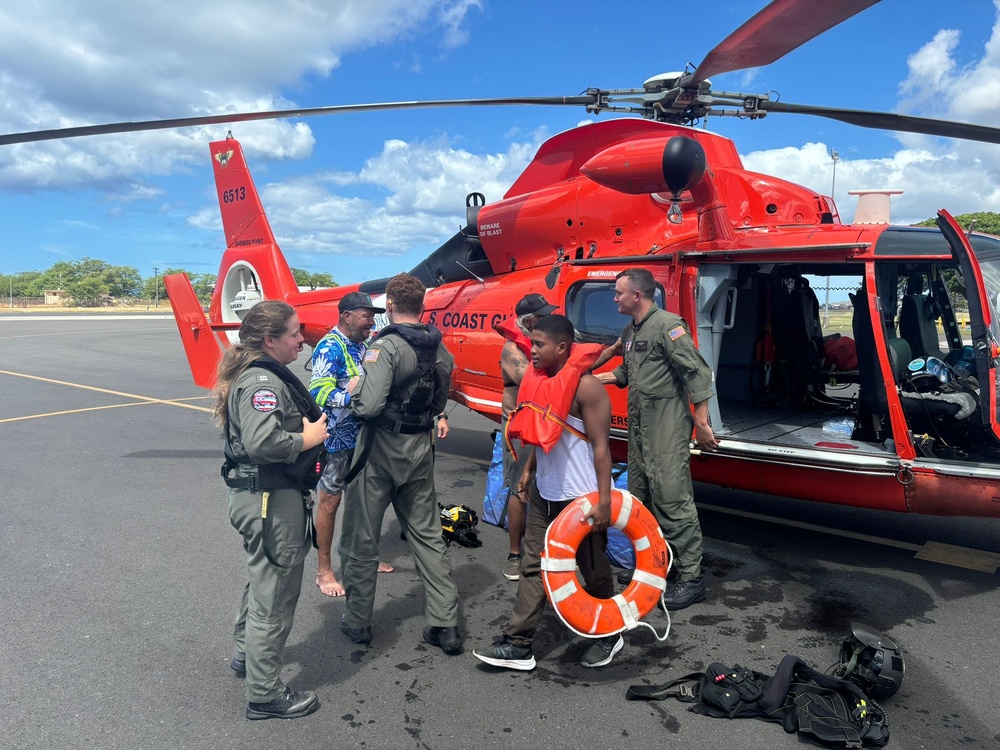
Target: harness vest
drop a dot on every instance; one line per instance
(408, 407)
(544, 402)
(305, 471)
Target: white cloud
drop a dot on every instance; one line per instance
(934, 173)
(66, 64)
(930, 180)
(136, 192)
(453, 21)
(931, 68)
(424, 184)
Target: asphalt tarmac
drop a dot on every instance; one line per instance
(121, 576)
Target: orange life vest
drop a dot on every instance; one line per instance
(510, 330)
(544, 402)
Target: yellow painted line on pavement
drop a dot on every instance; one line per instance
(74, 411)
(148, 399)
(83, 333)
(99, 408)
(945, 554)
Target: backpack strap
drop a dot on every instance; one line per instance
(686, 689)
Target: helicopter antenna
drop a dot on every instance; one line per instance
(477, 278)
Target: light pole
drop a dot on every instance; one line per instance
(156, 285)
(833, 189)
(833, 185)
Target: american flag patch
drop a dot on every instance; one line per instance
(372, 355)
(676, 333)
(264, 400)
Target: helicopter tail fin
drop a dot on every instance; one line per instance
(253, 267)
(201, 342)
(243, 217)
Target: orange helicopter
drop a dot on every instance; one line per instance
(892, 415)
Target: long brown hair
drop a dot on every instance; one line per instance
(267, 318)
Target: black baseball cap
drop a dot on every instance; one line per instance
(534, 304)
(358, 300)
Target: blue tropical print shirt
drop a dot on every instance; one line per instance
(336, 359)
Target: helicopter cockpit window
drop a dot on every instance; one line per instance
(591, 307)
(987, 251)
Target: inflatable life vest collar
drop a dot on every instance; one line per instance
(510, 330)
(550, 399)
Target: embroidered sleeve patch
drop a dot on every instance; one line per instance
(676, 333)
(264, 399)
(372, 355)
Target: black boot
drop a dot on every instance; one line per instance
(685, 593)
(447, 638)
(358, 635)
(239, 665)
(292, 705)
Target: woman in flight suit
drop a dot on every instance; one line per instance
(268, 435)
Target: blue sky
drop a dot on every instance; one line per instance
(366, 195)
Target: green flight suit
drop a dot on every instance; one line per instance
(266, 426)
(664, 371)
(398, 470)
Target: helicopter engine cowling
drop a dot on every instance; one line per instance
(649, 165)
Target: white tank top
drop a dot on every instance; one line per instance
(567, 471)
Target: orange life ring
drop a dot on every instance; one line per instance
(587, 615)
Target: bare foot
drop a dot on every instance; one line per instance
(329, 585)
(384, 567)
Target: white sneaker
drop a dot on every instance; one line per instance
(602, 651)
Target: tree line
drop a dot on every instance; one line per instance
(94, 282)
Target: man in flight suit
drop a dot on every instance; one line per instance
(664, 371)
(404, 386)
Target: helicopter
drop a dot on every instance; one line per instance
(906, 421)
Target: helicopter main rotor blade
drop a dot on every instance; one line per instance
(890, 121)
(775, 31)
(184, 122)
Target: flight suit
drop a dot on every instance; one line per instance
(266, 426)
(398, 470)
(664, 371)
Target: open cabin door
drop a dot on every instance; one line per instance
(982, 319)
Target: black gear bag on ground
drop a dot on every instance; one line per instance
(822, 708)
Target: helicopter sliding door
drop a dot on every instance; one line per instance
(780, 339)
(964, 479)
(780, 336)
(982, 297)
